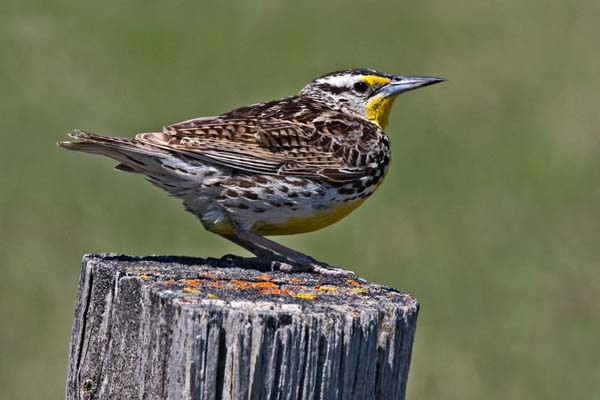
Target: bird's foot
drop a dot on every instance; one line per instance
(258, 263)
(311, 265)
(283, 264)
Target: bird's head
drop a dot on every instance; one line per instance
(364, 92)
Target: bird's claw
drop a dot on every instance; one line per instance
(314, 266)
(280, 263)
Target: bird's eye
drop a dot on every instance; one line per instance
(361, 87)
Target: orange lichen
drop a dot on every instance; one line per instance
(192, 282)
(263, 278)
(263, 285)
(295, 281)
(215, 284)
(238, 284)
(170, 282)
(352, 282)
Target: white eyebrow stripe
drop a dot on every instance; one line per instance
(339, 80)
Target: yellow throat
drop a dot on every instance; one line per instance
(378, 109)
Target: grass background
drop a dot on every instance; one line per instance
(490, 214)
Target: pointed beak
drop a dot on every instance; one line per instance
(401, 84)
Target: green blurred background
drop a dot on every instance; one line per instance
(490, 214)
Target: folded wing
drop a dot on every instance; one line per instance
(328, 149)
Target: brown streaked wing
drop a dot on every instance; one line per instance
(264, 146)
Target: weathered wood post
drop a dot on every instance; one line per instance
(183, 328)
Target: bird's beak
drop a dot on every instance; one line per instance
(401, 84)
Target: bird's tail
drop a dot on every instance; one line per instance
(132, 155)
(161, 167)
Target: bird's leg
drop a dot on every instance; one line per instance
(296, 261)
(251, 247)
(263, 257)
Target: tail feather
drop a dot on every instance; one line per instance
(91, 142)
(162, 168)
(132, 155)
(126, 168)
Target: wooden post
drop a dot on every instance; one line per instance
(183, 328)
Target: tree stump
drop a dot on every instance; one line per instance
(184, 328)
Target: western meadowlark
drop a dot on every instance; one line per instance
(283, 167)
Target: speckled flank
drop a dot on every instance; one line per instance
(282, 206)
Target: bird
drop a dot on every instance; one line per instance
(282, 167)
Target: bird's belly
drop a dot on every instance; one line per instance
(281, 206)
(302, 221)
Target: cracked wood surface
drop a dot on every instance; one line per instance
(188, 328)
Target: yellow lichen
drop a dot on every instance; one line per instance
(358, 290)
(305, 296)
(327, 289)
